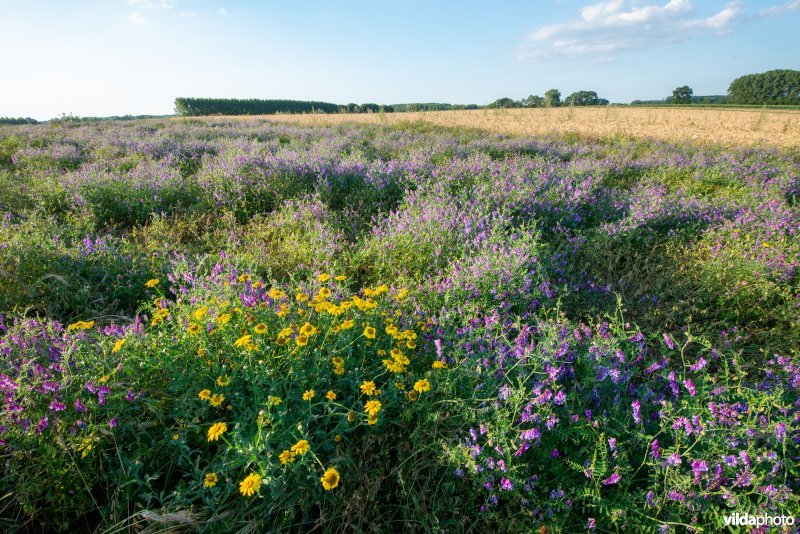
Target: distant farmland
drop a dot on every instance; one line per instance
(724, 126)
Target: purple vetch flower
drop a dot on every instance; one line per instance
(57, 406)
(655, 450)
(650, 499)
(612, 443)
(613, 479)
(551, 422)
(102, 393)
(439, 350)
(591, 524)
(701, 364)
(80, 407)
(504, 393)
(555, 453)
(674, 459)
(676, 496)
(530, 434)
(780, 431)
(745, 458)
(113, 422)
(501, 465)
(698, 468)
(668, 340)
(44, 422)
(522, 448)
(560, 398)
(689, 385)
(637, 412)
(506, 485)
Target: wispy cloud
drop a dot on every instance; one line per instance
(152, 4)
(135, 18)
(777, 10)
(223, 11)
(606, 28)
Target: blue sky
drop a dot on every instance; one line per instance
(113, 57)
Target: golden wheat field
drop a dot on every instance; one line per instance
(724, 126)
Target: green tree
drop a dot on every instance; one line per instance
(533, 101)
(682, 95)
(582, 98)
(504, 103)
(552, 98)
(771, 87)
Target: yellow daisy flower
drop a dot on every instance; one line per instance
(153, 282)
(223, 381)
(286, 457)
(308, 394)
(372, 407)
(421, 386)
(368, 387)
(216, 430)
(210, 480)
(242, 341)
(330, 479)
(301, 447)
(249, 486)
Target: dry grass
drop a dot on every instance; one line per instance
(723, 126)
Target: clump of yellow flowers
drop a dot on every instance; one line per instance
(283, 365)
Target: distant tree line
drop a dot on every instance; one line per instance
(18, 120)
(551, 99)
(251, 106)
(231, 106)
(430, 106)
(771, 87)
(774, 87)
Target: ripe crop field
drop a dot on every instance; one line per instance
(226, 325)
(732, 127)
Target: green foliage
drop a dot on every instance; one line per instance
(8, 147)
(584, 98)
(50, 269)
(552, 98)
(682, 95)
(253, 106)
(17, 120)
(771, 87)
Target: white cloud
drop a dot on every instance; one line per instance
(223, 11)
(606, 28)
(152, 4)
(135, 18)
(777, 10)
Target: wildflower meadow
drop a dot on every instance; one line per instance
(236, 325)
